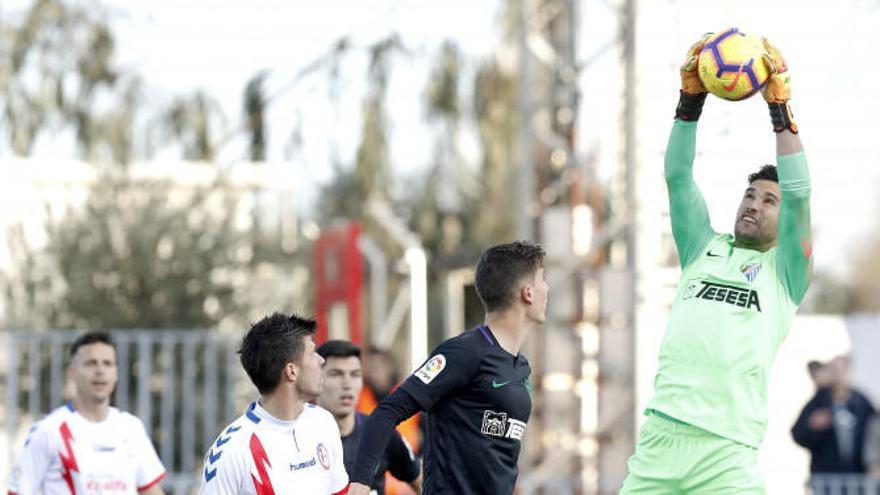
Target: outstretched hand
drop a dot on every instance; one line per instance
(777, 89)
(358, 489)
(690, 79)
(693, 92)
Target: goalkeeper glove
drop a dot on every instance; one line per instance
(693, 93)
(777, 91)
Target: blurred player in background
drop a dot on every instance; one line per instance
(871, 452)
(832, 424)
(820, 374)
(343, 381)
(282, 444)
(733, 308)
(475, 387)
(380, 379)
(87, 446)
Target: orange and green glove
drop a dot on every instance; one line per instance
(693, 93)
(777, 91)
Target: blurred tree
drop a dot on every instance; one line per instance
(441, 201)
(829, 294)
(495, 108)
(349, 191)
(138, 255)
(192, 120)
(58, 75)
(446, 207)
(855, 292)
(372, 170)
(57, 72)
(254, 109)
(459, 213)
(496, 115)
(864, 291)
(442, 92)
(104, 264)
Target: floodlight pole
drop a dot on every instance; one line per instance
(416, 260)
(525, 177)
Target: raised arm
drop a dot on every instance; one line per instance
(687, 208)
(795, 258)
(795, 250)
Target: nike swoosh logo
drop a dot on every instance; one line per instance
(729, 87)
(713, 255)
(499, 384)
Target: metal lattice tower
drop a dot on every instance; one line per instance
(583, 423)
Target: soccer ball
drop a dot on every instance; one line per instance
(731, 66)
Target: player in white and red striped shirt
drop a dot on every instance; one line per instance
(87, 447)
(282, 444)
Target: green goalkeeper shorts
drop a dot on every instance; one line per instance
(673, 457)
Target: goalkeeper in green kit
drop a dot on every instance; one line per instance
(733, 308)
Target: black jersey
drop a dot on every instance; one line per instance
(478, 401)
(398, 458)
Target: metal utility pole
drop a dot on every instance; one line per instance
(525, 177)
(617, 351)
(547, 185)
(583, 427)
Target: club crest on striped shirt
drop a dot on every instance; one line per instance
(750, 271)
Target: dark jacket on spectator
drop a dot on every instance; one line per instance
(825, 456)
(871, 451)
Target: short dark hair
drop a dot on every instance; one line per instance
(373, 350)
(339, 348)
(767, 172)
(271, 343)
(500, 269)
(98, 337)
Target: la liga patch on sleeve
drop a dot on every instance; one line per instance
(431, 368)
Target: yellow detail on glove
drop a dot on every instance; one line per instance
(778, 87)
(690, 80)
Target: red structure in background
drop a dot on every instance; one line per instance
(339, 278)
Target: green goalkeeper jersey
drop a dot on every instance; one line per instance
(733, 306)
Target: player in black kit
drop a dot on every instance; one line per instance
(474, 387)
(343, 380)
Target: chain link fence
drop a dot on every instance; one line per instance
(183, 384)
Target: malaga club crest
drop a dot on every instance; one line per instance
(750, 271)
